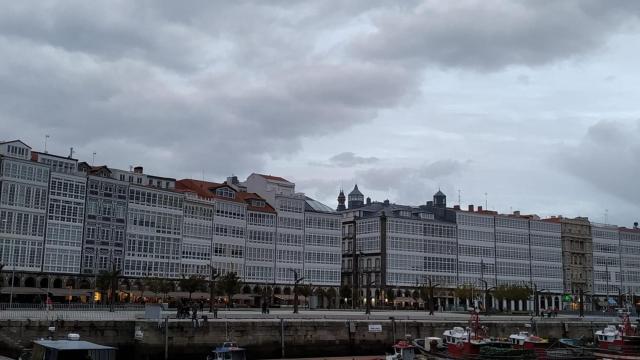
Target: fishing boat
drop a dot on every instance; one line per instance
(618, 342)
(465, 343)
(402, 350)
(228, 351)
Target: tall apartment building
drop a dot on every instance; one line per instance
(406, 245)
(393, 247)
(607, 282)
(23, 207)
(197, 231)
(260, 254)
(545, 240)
(477, 249)
(65, 214)
(577, 252)
(154, 226)
(228, 224)
(105, 223)
(630, 259)
(322, 255)
(293, 209)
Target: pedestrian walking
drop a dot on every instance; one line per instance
(215, 312)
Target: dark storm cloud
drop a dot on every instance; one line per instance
(491, 35)
(214, 86)
(608, 157)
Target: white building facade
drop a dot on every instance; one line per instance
(65, 215)
(23, 207)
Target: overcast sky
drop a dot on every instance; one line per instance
(535, 103)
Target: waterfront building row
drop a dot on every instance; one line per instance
(390, 246)
(61, 216)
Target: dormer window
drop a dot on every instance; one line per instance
(258, 203)
(225, 192)
(405, 213)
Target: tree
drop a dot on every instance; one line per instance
(390, 296)
(192, 284)
(108, 281)
(229, 284)
(165, 287)
(331, 296)
(464, 292)
(152, 284)
(321, 293)
(345, 293)
(140, 285)
(511, 292)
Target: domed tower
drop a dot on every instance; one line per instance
(440, 199)
(356, 199)
(341, 200)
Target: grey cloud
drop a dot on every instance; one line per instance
(608, 158)
(91, 96)
(411, 185)
(349, 159)
(491, 35)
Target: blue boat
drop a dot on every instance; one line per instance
(228, 351)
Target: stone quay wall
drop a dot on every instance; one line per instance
(263, 339)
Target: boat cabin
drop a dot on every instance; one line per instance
(71, 350)
(609, 334)
(402, 351)
(455, 335)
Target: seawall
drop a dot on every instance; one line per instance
(263, 338)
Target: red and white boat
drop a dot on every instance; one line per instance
(466, 343)
(618, 342)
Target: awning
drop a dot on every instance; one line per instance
(289, 297)
(23, 290)
(612, 301)
(70, 292)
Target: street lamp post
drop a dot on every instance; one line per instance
(13, 269)
(296, 281)
(212, 278)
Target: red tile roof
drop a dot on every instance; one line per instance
(247, 197)
(275, 178)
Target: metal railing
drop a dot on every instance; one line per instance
(71, 307)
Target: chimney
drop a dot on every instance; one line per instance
(456, 207)
(470, 208)
(232, 180)
(635, 225)
(368, 201)
(516, 213)
(386, 202)
(137, 170)
(430, 204)
(479, 208)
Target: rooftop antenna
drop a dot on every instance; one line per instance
(71, 152)
(46, 137)
(486, 201)
(606, 216)
(459, 192)
(93, 158)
